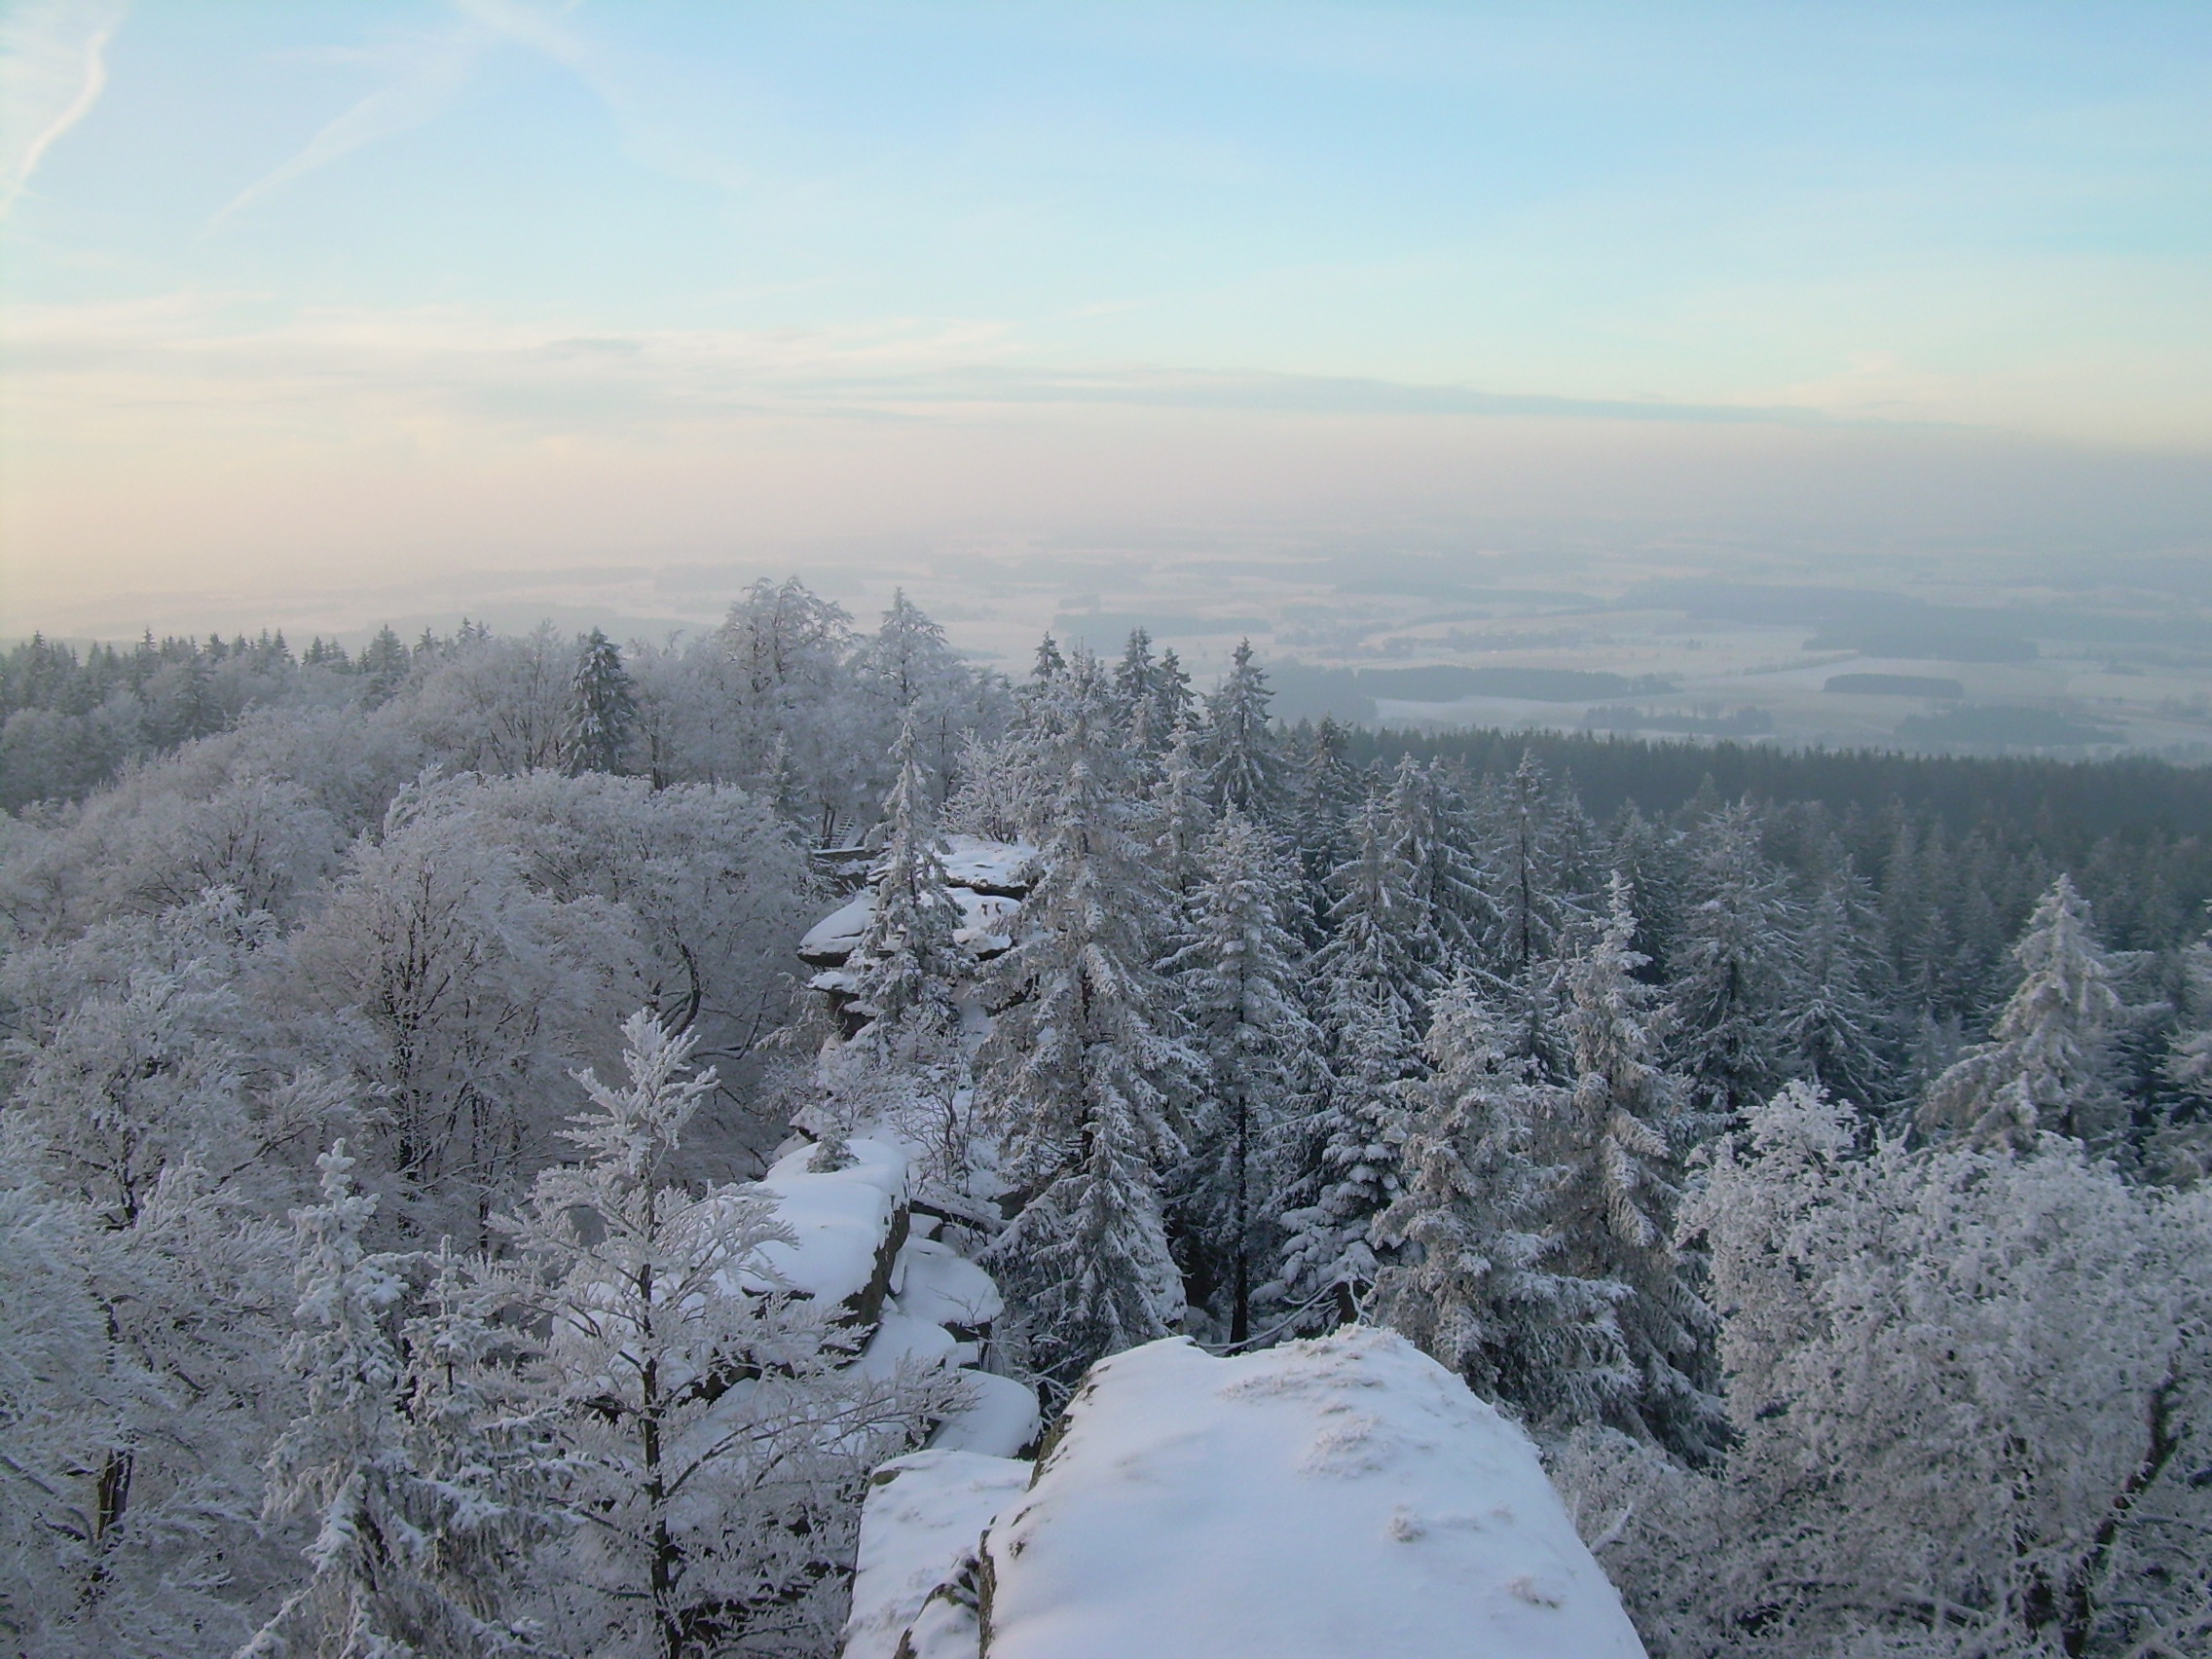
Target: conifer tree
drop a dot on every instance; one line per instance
(1083, 1073)
(1343, 1159)
(1037, 736)
(1244, 769)
(907, 959)
(1982, 898)
(1907, 903)
(1237, 980)
(194, 711)
(1048, 666)
(1534, 844)
(602, 709)
(1182, 816)
(1611, 1209)
(1132, 675)
(1473, 1284)
(384, 665)
(1136, 701)
(1172, 703)
(2046, 1066)
(1735, 977)
(1370, 983)
(1380, 932)
(1650, 854)
(1434, 840)
(1326, 792)
(1834, 1030)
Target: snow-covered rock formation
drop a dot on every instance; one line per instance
(905, 1298)
(1340, 1496)
(988, 880)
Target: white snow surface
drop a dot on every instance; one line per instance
(1001, 1418)
(838, 934)
(986, 921)
(925, 1513)
(900, 1340)
(985, 880)
(936, 1282)
(1341, 1496)
(990, 867)
(985, 929)
(839, 1217)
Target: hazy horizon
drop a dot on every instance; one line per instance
(328, 313)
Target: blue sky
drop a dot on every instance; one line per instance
(498, 281)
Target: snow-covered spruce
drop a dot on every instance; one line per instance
(1237, 981)
(1078, 1074)
(1473, 1281)
(1609, 1212)
(2047, 1065)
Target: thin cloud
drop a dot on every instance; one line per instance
(436, 70)
(460, 365)
(52, 70)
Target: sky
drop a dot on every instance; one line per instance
(313, 299)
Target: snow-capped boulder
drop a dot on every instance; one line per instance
(989, 867)
(904, 1344)
(1001, 1418)
(1343, 1495)
(839, 935)
(933, 1282)
(905, 1302)
(847, 1227)
(986, 879)
(986, 923)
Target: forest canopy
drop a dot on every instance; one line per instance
(412, 1085)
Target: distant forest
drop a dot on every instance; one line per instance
(2132, 829)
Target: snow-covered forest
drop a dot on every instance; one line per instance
(417, 1063)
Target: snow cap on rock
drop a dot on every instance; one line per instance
(1343, 1495)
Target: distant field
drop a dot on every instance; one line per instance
(1894, 686)
(1995, 667)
